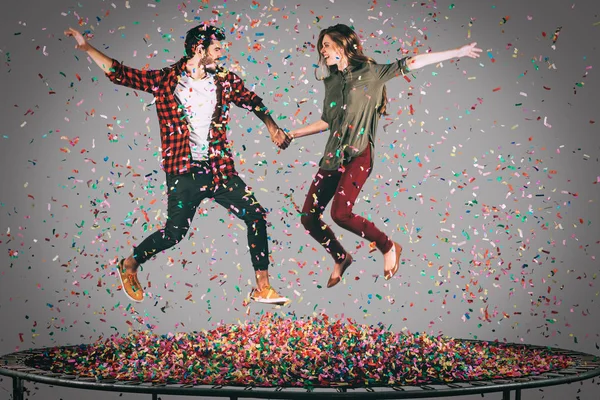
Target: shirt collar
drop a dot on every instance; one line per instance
(350, 68)
(180, 65)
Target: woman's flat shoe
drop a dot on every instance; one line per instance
(391, 273)
(345, 264)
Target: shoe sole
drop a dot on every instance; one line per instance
(278, 301)
(123, 286)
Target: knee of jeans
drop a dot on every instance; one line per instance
(341, 216)
(253, 214)
(309, 220)
(257, 225)
(260, 213)
(175, 234)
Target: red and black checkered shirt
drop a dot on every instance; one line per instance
(174, 130)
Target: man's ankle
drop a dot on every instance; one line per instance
(262, 286)
(262, 279)
(130, 266)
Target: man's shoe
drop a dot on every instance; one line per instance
(130, 283)
(268, 296)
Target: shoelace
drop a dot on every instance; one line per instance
(268, 289)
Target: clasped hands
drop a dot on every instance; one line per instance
(280, 137)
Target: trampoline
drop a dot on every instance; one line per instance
(299, 359)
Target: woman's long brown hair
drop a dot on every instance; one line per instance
(347, 40)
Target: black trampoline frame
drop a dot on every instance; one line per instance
(587, 366)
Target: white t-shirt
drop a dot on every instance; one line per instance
(199, 99)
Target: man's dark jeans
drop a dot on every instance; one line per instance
(184, 195)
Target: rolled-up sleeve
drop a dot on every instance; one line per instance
(146, 80)
(325, 114)
(385, 72)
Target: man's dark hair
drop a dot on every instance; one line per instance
(201, 35)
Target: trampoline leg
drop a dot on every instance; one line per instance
(18, 389)
(506, 395)
(154, 396)
(518, 394)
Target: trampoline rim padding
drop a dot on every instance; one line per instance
(587, 366)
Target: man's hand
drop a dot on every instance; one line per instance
(82, 44)
(280, 138)
(101, 59)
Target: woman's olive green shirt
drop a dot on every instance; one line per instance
(352, 98)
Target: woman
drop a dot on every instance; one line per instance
(355, 98)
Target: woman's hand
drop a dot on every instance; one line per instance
(469, 50)
(281, 138)
(291, 135)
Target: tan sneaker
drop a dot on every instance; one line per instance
(268, 296)
(130, 283)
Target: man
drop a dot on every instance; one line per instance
(193, 99)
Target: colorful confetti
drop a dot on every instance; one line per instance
(486, 172)
(311, 352)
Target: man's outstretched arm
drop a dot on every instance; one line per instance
(101, 59)
(146, 80)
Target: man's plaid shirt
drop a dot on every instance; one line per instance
(174, 130)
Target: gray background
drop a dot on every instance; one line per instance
(490, 185)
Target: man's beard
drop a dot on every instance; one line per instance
(208, 64)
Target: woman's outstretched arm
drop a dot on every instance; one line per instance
(307, 130)
(421, 60)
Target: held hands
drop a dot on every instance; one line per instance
(82, 43)
(469, 50)
(280, 138)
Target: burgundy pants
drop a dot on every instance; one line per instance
(343, 186)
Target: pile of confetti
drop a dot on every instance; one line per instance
(307, 352)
